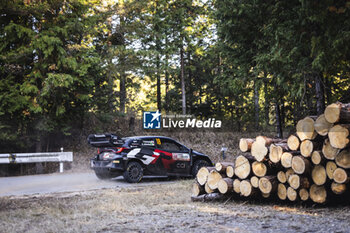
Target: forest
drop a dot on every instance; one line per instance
(72, 66)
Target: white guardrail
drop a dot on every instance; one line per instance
(37, 158)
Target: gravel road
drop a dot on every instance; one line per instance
(64, 182)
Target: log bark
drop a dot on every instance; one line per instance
(209, 197)
(207, 189)
(338, 188)
(322, 126)
(338, 112)
(293, 142)
(202, 175)
(328, 150)
(276, 151)
(341, 176)
(304, 194)
(339, 136)
(197, 189)
(268, 184)
(308, 146)
(245, 144)
(268, 141)
(343, 159)
(282, 191)
(330, 168)
(305, 129)
(242, 167)
(319, 175)
(247, 189)
(301, 165)
(225, 185)
(254, 180)
(317, 157)
(292, 194)
(222, 166)
(230, 171)
(318, 194)
(236, 185)
(213, 179)
(281, 177)
(296, 182)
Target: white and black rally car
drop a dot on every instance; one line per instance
(136, 156)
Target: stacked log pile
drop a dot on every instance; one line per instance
(311, 165)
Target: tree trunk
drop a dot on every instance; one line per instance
(278, 121)
(159, 94)
(209, 197)
(183, 90)
(256, 105)
(320, 105)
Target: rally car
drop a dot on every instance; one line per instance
(136, 156)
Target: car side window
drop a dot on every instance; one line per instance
(168, 145)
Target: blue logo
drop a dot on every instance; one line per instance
(151, 120)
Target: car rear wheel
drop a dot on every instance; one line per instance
(197, 165)
(133, 172)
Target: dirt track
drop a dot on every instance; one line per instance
(160, 207)
(65, 182)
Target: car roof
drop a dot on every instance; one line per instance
(147, 137)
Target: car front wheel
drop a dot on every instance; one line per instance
(133, 172)
(197, 165)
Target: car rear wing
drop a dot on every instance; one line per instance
(105, 140)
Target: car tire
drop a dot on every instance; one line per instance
(197, 165)
(103, 174)
(133, 172)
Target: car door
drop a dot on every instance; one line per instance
(174, 156)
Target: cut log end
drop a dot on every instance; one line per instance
(304, 194)
(281, 177)
(294, 181)
(245, 144)
(202, 174)
(306, 148)
(338, 136)
(254, 181)
(343, 159)
(275, 153)
(259, 169)
(300, 165)
(340, 176)
(316, 157)
(246, 188)
(330, 168)
(293, 142)
(292, 194)
(305, 129)
(322, 126)
(338, 188)
(286, 159)
(237, 185)
(328, 150)
(282, 191)
(267, 184)
(225, 185)
(207, 189)
(259, 150)
(319, 175)
(242, 167)
(318, 194)
(213, 179)
(230, 171)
